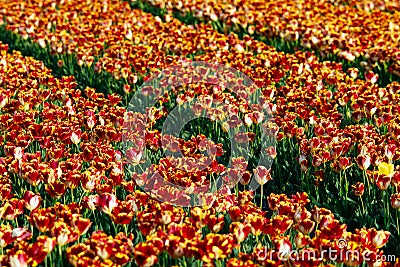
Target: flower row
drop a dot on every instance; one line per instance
(343, 29)
(368, 5)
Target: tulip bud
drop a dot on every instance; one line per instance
(262, 175)
(395, 201)
(358, 189)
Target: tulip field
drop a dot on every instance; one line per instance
(199, 133)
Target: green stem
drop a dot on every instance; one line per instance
(362, 205)
(61, 261)
(366, 181)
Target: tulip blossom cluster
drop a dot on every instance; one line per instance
(348, 29)
(368, 5)
(45, 149)
(101, 250)
(142, 42)
(200, 234)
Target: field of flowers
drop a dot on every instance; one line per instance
(357, 33)
(86, 179)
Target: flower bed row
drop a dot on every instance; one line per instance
(79, 29)
(359, 38)
(369, 5)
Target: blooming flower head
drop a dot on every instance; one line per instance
(386, 169)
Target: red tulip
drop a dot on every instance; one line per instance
(378, 238)
(145, 255)
(358, 189)
(107, 202)
(395, 201)
(19, 259)
(262, 175)
(240, 231)
(305, 226)
(32, 201)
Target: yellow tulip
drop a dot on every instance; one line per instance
(386, 169)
